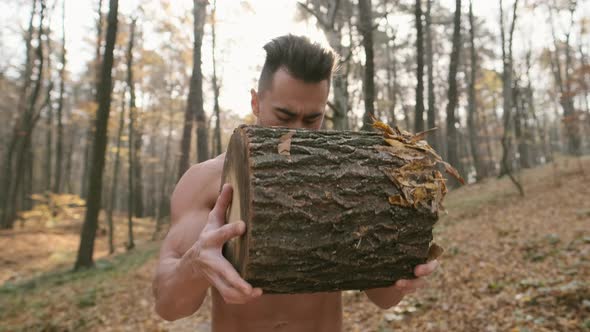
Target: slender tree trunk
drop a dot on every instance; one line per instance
(419, 112)
(196, 88)
(90, 134)
(472, 115)
(162, 201)
(88, 234)
(452, 135)
(507, 93)
(432, 112)
(218, 148)
(366, 28)
(114, 190)
(62, 77)
(132, 138)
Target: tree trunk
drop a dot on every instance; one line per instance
(114, 190)
(432, 112)
(88, 234)
(59, 148)
(419, 112)
(90, 133)
(452, 139)
(366, 28)
(163, 202)
(472, 115)
(317, 210)
(196, 87)
(218, 148)
(132, 153)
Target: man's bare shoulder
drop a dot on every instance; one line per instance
(198, 187)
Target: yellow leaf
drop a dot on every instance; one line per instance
(398, 200)
(284, 147)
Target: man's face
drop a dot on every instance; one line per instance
(291, 102)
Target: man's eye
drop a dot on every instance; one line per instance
(283, 120)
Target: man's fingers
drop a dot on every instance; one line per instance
(233, 279)
(229, 294)
(217, 215)
(234, 289)
(425, 269)
(225, 233)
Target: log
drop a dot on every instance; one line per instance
(329, 210)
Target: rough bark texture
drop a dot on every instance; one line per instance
(318, 216)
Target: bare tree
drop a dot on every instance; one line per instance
(88, 234)
(57, 184)
(452, 135)
(419, 112)
(115, 179)
(195, 95)
(472, 114)
(366, 29)
(507, 95)
(432, 112)
(215, 81)
(132, 146)
(196, 88)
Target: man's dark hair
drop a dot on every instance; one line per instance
(304, 60)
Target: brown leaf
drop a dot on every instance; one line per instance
(451, 170)
(422, 135)
(284, 146)
(398, 200)
(434, 252)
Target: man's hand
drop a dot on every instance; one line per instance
(389, 296)
(405, 286)
(207, 257)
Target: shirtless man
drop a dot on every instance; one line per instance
(292, 92)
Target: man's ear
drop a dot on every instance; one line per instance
(254, 102)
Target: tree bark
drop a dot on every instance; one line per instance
(432, 111)
(88, 234)
(57, 184)
(452, 135)
(114, 190)
(480, 172)
(214, 82)
(317, 211)
(132, 145)
(90, 134)
(196, 87)
(419, 112)
(366, 28)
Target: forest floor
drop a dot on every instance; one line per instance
(511, 264)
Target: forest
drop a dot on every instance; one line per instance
(106, 104)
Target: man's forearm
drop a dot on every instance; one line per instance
(385, 298)
(179, 289)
